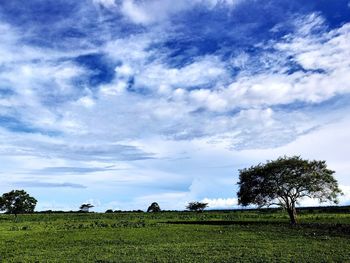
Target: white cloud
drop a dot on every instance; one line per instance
(124, 70)
(221, 203)
(325, 54)
(155, 11)
(328, 52)
(135, 13)
(86, 102)
(157, 74)
(130, 49)
(212, 101)
(259, 92)
(177, 110)
(345, 198)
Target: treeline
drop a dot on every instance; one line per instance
(308, 209)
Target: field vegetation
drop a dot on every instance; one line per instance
(323, 235)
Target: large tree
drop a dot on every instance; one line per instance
(17, 202)
(285, 181)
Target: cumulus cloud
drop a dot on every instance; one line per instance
(221, 203)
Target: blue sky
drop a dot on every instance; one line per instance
(121, 103)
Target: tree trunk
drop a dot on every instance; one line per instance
(292, 215)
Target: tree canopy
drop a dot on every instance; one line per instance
(285, 181)
(196, 206)
(17, 202)
(85, 207)
(154, 207)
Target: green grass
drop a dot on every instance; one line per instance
(217, 236)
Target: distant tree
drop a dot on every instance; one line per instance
(154, 207)
(17, 202)
(109, 211)
(85, 207)
(284, 182)
(196, 206)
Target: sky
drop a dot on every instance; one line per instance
(121, 103)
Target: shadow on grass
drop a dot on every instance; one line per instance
(226, 222)
(326, 227)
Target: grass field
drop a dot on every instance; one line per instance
(213, 236)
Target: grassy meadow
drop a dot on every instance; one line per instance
(212, 236)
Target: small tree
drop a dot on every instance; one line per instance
(17, 202)
(196, 206)
(285, 181)
(154, 207)
(85, 207)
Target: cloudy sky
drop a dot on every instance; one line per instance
(121, 103)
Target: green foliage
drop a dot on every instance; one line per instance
(285, 181)
(211, 236)
(154, 207)
(17, 202)
(196, 206)
(85, 207)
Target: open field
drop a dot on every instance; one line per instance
(213, 236)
